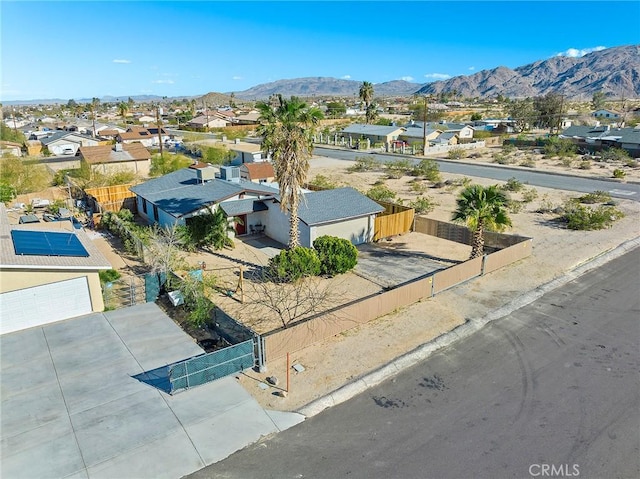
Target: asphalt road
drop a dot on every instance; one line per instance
(551, 391)
(502, 173)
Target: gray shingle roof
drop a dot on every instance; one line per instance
(242, 207)
(180, 192)
(327, 206)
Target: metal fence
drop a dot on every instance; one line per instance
(209, 367)
(131, 290)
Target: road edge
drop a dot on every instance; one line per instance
(407, 360)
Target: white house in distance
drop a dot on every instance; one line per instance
(603, 113)
(64, 143)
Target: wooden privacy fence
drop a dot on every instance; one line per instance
(112, 198)
(305, 333)
(394, 220)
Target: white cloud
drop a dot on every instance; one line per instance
(437, 76)
(121, 61)
(407, 78)
(237, 78)
(346, 77)
(576, 52)
(167, 82)
(472, 68)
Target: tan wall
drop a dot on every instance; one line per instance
(13, 280)
(140, 168)
(300, 335)
(113, 198)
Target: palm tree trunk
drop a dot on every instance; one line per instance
(477, 243)
(294, 236)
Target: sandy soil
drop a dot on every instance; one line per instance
(340, 359)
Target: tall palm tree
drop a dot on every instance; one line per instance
(482, 208)
(366, 95)
(287, 128)
(123, 109)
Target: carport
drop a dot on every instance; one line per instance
(71, 406)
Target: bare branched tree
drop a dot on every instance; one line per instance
(164, 250)
(288, 302)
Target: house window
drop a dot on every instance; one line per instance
(144, 206)
(155, 212)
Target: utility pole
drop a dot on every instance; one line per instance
(424, 127)
(159, 125)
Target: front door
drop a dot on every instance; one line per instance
(241, 227)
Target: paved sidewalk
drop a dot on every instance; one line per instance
(72, 407)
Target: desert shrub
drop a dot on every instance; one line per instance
(580, 217)
(546, 205)
(618, 173)
(292, 264)
(456, 153)
(585, 165)
(125, 215)
(528, 162)
(321, 181)
(337, 255)
(529, 195)
(567, 162)
(515, 206)
(508, 148)
(423, 204)
(615, 154)
(631, 163)
(167, 162)
(54, 208)
(381, 193)
(595, 197)
(364, 163)
(428, 169)
(417, 186)
(513, 184)
(559, 147)
(397, 169)
(502, 159)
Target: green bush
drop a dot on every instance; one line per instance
(399, 168)
(615, 154)
(618, 173)
(321, 181)
(513, 184)
(456, 153)
(423, 204)
(381, 193)
(125, 215)
(595, 197)
(337, 255)
(108, 275)
(428, 169)
(580, 217)
(292, 264)
(364, 163)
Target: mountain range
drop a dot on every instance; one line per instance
(614, 71)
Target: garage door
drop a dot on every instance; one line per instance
(45, 304)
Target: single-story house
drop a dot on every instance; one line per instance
(108, 159)
(48, 274)
(260, 172)
(342, 212)
(596, 138)
(178, 196)
(447, 138)
(147, 136)
(250, 118)
(246, 152)
(373, 133)
(64, 143)
(603, 113)
(203, 121)
(414, 134)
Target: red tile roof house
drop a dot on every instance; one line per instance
(261, 172)
(108, 159)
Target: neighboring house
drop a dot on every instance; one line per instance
(596, 138)
(147, 136)
(203, 121)
(146, 119)
(63, 143)
(48, 274)
(373, 133)
(178, 196)
(108, 159)
(606, 114)
(10, 148)
(246, 152)
(414, 134)
(342, 212)
(251, 118)
(447, 138)
(261, 172)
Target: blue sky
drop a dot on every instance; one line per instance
(83, 49)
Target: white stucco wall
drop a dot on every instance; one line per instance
(357, 230)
